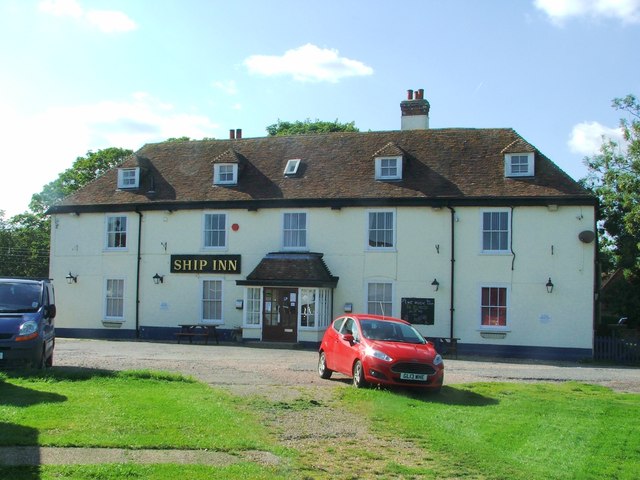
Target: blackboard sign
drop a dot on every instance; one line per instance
(418, 310)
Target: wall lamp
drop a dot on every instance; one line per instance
(158, 279)
(71, 278)
(435, 284)
(549, 286)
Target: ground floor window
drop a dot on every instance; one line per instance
(253, 305)
(379, 298)
(212, 301)
(494, 307)
(307, 307)
(114, 299)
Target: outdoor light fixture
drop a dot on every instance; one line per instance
(549, 286)
(158, 279)
(435, 284)
(71, 278)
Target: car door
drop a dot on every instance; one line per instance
(346, 349)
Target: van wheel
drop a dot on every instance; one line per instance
(49, 361)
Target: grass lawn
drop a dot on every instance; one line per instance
(479, 431)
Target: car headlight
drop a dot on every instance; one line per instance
(378, 354)
(437, 360)
(28, 331)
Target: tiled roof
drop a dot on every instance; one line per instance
(447, 165)
(284, 268)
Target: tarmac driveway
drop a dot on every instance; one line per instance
(247, 369)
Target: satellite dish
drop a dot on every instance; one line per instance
(586, 236)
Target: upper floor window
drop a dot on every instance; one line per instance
(215, 230)
(494, 307)
(225, 174)
(116, 232)
(295, 230)
(519, 164)
(495, 231)
(381, 230)
(388, 168)
(129, 177)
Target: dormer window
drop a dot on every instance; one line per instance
(292, 167)
(389, 168)
(128, 178)
(225, 174)
(519, 164)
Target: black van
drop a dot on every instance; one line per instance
(27, 330)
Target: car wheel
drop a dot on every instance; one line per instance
(358, 375)
(323, 371)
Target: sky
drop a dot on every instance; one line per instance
(84, 75)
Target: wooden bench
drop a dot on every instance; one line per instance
(446, 344)
(197, 331)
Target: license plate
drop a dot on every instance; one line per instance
(414, 376)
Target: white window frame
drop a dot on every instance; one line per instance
(205, 232)
(111, 233)
(222, 171)
(517, 170)
(368, 230)
(382, 170)
(211, 321)
(308, 298)
(295, 232)
(128, 181)
(252, 307)
(495, 328)
(373, 306)
(495, 251)
(108, 298)
(292, 167)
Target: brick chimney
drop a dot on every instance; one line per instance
(415, 111)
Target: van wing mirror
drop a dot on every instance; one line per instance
(51, 311)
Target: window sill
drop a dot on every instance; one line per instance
(112, 323)
(494, 334)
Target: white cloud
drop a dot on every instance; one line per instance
(108, 21)
(308, 63)
(628, 11)
(229, 86)
(587, 137)
(43, 145)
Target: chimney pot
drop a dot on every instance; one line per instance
(238, 133)
(421, 93)
(409, 94)
(232, 134)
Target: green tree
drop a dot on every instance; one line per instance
(614, 176)
(84, 170)
(281, 128)
(25, 238)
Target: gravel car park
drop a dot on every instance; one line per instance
(256, 368)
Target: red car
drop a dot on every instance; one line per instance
(380, 350)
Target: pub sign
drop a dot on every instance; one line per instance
(205, 264)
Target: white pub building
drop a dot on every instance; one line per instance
(470, 234)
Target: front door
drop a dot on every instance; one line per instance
(280, 314)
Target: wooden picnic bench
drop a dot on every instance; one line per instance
(445, 345)
(191, 331)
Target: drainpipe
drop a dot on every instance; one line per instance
(452, 276)
(138, 274)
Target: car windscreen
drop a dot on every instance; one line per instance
(19, 297)
(390, 331)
